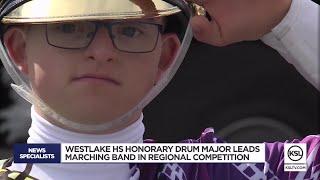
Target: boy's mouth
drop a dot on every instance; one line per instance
(96, 78)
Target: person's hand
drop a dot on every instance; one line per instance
(237, 20)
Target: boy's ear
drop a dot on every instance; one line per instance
(15, 42)
(170, 47)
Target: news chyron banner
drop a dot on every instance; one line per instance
(294, 153)
(140, 153)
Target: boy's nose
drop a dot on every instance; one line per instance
(101, 46)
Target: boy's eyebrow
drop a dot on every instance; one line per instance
(159, 20)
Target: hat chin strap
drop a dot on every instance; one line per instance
(25, 91)
(33, 99)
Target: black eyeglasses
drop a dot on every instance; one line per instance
(127, 36)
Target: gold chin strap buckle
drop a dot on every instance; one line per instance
(197, 10)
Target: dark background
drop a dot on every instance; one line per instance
(246, 91)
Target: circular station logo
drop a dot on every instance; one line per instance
(295, 153)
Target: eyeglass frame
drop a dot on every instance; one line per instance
(108, 26)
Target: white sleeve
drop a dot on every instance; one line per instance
(296, 38)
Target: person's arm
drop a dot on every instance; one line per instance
(296, 38)
(294, 27)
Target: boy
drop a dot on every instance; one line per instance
(89, 68)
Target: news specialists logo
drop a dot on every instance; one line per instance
(36, 153)
(295, 157)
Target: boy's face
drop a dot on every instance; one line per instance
(89, 85)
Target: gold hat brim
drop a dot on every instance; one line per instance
(50, 11)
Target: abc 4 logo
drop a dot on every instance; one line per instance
(295, 153)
